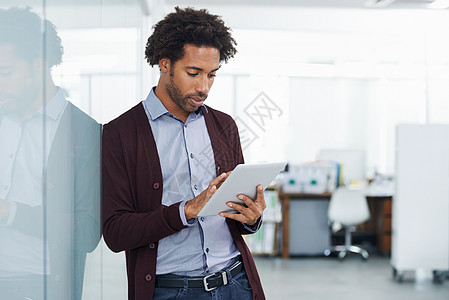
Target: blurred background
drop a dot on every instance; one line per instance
(311, 79)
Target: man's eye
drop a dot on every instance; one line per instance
(192, 74)
(212, 75)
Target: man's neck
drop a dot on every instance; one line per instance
(170, 105)
(41, 100)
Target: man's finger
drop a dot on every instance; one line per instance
(211, 191)
(248, 213)
(248, 202)
(259, 195)
(218, 180)
(221, 182)
(238, 217)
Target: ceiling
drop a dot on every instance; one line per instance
(384, 4)
(39, 3)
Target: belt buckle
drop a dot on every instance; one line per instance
(206, 284)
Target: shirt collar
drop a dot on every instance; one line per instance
(157, 109)
(155, 106)
(55, 106)
(203, 108)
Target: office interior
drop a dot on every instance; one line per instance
(362, 83)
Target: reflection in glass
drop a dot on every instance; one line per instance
(49, 174)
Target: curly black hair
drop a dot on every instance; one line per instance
(189, 26)
(22, 28)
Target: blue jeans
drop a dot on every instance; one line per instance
(237, 288)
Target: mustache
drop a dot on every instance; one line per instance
(197, 96)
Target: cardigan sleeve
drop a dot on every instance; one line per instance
(126, 225)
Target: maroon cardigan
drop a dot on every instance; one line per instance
(134, 220)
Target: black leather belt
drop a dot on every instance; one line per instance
(209, 283)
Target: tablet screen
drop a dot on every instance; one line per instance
(243, 180)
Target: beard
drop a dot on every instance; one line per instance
(19, 102)
(183, 100)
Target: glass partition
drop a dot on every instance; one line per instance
(66, 67)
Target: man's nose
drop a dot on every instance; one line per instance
(203, 85)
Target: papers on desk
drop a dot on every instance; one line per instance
(380, 188)
(312, 178)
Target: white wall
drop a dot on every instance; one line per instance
(350, 75)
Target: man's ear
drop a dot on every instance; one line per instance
(164, 65)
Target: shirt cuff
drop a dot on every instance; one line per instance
(12, 214)
(255, 227)
(182, 214)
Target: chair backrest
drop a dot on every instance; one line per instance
(348, 207)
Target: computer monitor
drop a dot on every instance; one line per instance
(352, 161)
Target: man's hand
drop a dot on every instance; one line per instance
(4, 209)
(194, 206)
(250, 214)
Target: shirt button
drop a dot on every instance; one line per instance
(195, 187)
(202, 219)
(191, 155)
(148, 277)
(156, 185)
(185, 125)
(152, 245)
(207, 250)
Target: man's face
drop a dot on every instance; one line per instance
(192, 76)
(19, 81)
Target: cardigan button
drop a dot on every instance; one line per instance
(152, 245)
(148, 277)
(156, 185)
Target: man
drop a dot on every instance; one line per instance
(50, 168)
(164, 159)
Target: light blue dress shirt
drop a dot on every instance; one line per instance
(22, 156)
(188, 165)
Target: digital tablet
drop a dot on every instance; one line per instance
(243, 180)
